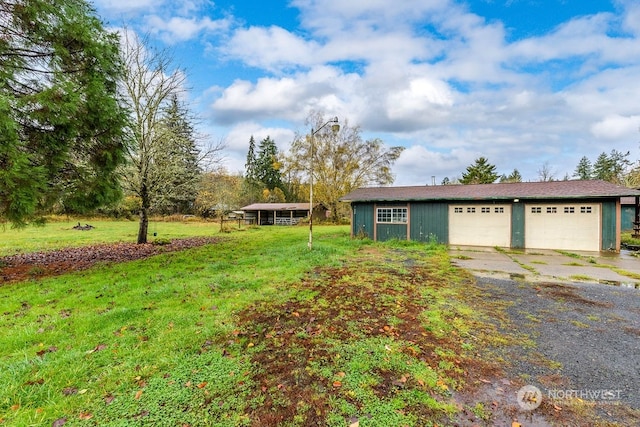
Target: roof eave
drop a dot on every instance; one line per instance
(501, 198)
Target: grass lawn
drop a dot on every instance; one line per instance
(255, 330)
(60, 234)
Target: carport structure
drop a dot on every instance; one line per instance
(282, 213)
(568, 215)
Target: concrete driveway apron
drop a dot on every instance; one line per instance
(621, 269)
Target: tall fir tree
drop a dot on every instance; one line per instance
(61, 125)
(611, 167)
(584, 169)
(268, 167)
(250, 166)
(481, 172)
(178, 160)
(251, 186)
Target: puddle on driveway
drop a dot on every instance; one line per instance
(501, 407)
(630, 285)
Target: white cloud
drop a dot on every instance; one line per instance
(178, 29)
(418, 98)
(290, 98)
(428, 75)
(269, 48)
(116, 6)
(631, 17)
(616, 127)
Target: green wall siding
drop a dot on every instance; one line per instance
(628, 216)
(363, 220)
(391, 231)
(429, 219)
(608, 225)
(517, 225)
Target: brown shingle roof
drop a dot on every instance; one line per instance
(277, 207)
(504, 191)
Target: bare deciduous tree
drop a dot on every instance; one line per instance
(156, 148)
(545, 173)
(341, 161)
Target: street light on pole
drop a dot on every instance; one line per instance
(335, 127)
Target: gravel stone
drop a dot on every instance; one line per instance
(587, 337)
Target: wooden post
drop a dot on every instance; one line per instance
(636, 219)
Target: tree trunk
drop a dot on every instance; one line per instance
(334, 213)
(144, 226)
(144, 215)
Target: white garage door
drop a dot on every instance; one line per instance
(478, 225)
(557, 226)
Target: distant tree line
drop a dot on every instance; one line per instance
(614, 167)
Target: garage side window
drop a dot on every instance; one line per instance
(392, 215)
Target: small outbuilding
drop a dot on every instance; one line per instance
(631, 214)
(568, 215)
(282, 213)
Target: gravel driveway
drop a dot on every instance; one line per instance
(587, 341)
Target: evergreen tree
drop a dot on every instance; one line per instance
(60, 122)
(251, 185)
(268, 167)
(584, 170)
(481, 172)
(601, 167)
(513, 177)
(611, 167)
(251, 165)
(177, 161)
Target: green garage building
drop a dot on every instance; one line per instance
(568, 215)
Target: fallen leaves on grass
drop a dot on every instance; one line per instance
(16, 268)
(97, 348)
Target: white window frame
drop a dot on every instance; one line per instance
(394, 215)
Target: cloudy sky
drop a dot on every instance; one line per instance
(525, 83)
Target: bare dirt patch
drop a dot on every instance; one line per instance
(26, 266)
(561, 291)
(360, 301)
